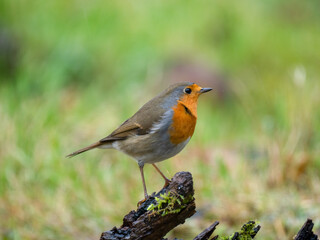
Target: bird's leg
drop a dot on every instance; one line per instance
(167, 181)
(144, 185)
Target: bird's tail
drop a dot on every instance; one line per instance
(92, 146)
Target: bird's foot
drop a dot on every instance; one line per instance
(143, 200)
(166, 183)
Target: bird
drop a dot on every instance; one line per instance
(159, 130)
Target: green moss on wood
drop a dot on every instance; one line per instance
(169, 203)
(247, 232)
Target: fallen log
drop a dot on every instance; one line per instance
(161, 213)
(171, 206)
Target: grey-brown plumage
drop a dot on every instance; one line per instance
(143, 120)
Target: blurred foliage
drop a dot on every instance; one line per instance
(71, 71)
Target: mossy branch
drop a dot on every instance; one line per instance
(160, 213)
(172, 206)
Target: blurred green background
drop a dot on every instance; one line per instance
(72, 71)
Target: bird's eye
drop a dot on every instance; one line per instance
(187, 90)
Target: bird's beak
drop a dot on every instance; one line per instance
(204, 90)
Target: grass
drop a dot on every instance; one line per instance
(78, 69)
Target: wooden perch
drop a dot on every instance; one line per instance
(177, 205)
(164, 211)
(172, 206)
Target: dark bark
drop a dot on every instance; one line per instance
(148, 224)
(177, 204)
(207, 232)
(306, 233)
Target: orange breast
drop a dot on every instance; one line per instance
(183, 123)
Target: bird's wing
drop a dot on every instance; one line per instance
(123, 131)
(139, 124)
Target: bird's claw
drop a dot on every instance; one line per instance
(166, 183)
(143, 200)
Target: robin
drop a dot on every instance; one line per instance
(159, 130)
